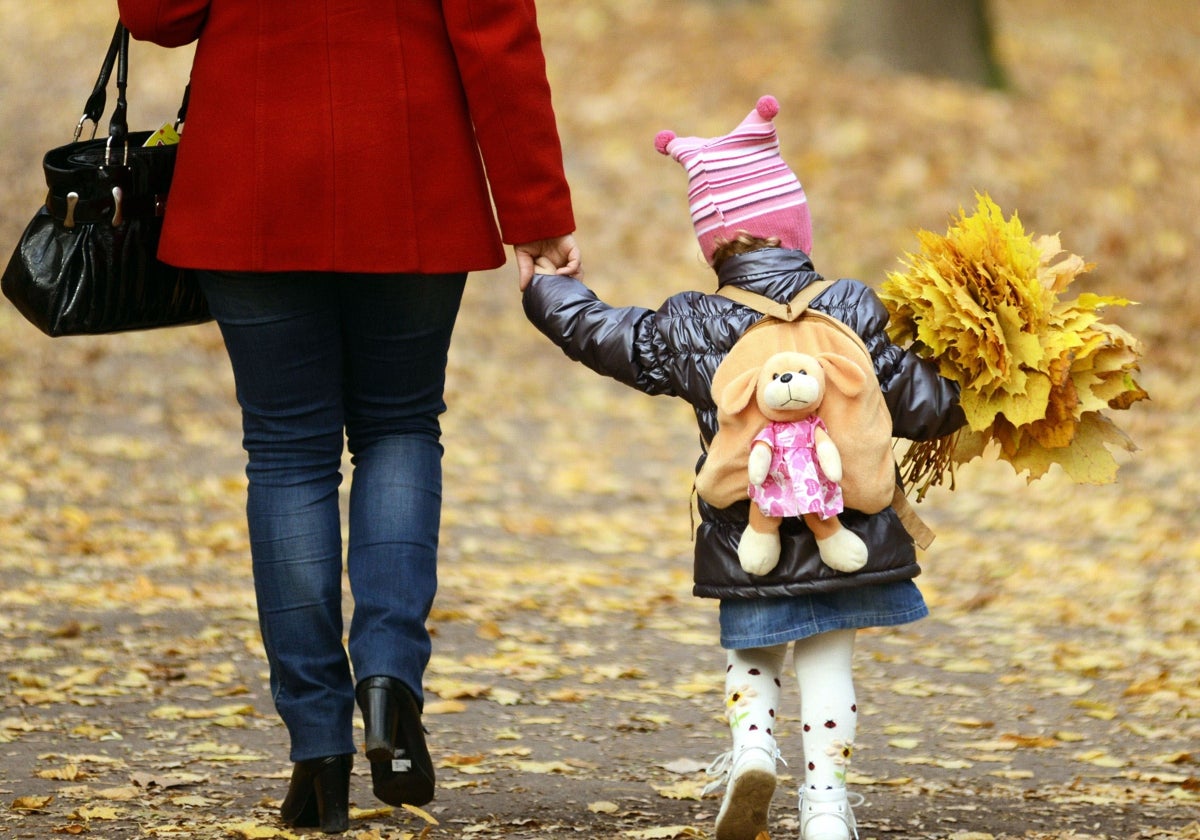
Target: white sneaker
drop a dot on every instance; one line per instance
(748, 774)
(827, 815)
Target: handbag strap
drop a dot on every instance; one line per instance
(118, 123)
(93, 109)
(117, 57)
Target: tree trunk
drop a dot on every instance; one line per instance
(947, 38)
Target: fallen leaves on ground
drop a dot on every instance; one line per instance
(1055, 685)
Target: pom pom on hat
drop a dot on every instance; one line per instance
(739, 182)
(767, 107)
(661, 141)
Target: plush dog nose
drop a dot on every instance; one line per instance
(787, 377)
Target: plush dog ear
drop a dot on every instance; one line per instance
(739, 392)
(842, 373)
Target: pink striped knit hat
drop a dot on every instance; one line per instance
(740, 183)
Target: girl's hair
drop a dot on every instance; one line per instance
(743, 243)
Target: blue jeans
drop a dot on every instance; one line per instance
(320, 359)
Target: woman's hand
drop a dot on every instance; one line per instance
(559, 255)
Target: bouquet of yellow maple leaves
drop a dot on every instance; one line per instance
(1036, 369)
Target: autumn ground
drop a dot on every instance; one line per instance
(575, 688)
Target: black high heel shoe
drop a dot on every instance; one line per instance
(319, 794)
(401, 769)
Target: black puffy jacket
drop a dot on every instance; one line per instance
(675, 351)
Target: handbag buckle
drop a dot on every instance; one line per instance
(79, 128)
(108, 153)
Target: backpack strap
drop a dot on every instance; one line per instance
(792, 310)
(920, 532)
(789, 311)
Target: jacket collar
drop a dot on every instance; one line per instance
(777, 273)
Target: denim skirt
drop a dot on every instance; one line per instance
(762, 622)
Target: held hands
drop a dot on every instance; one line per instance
(559, 255)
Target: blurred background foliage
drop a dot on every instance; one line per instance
(1093, 136)
(567, 524)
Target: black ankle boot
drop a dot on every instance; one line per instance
(401, 769)
(319, 794)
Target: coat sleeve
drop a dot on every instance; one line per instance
(499, 52)
(168, 23)
(924, 404)
(619, 342)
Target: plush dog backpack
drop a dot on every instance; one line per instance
(860, 425)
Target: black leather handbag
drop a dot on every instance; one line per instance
(86, 264)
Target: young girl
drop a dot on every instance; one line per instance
(752, 221)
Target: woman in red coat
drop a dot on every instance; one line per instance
(330, 189)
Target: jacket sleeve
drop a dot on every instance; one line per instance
(499, 52)
(924, 404)
(618, 342)
(168, 23)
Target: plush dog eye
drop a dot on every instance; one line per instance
(775, 376)
(802, 372)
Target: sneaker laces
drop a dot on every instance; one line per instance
(722, 766)
(853, 800)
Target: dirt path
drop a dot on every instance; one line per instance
(576, 686)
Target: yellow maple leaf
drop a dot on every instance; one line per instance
(69, 773)
(666, 832)
(683, 789)
(99, 812)
(31, 803)
(248, 830)
(420, 812)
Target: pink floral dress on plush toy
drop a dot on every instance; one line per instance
(795, 484)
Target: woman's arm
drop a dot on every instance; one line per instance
(168, 23)
(498, 49)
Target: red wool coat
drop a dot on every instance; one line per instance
(345, 135)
